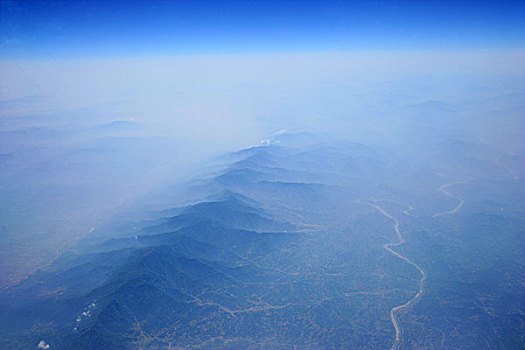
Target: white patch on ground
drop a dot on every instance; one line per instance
(43, 345)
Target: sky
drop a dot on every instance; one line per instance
(94, 29)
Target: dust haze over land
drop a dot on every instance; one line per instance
(81, 138)
(417, 135)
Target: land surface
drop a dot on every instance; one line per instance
(299, 244)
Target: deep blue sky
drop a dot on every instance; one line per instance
(112, 28)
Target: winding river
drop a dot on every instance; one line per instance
(388, 247)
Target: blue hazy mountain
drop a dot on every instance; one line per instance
(306, 175)
(296, 245)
